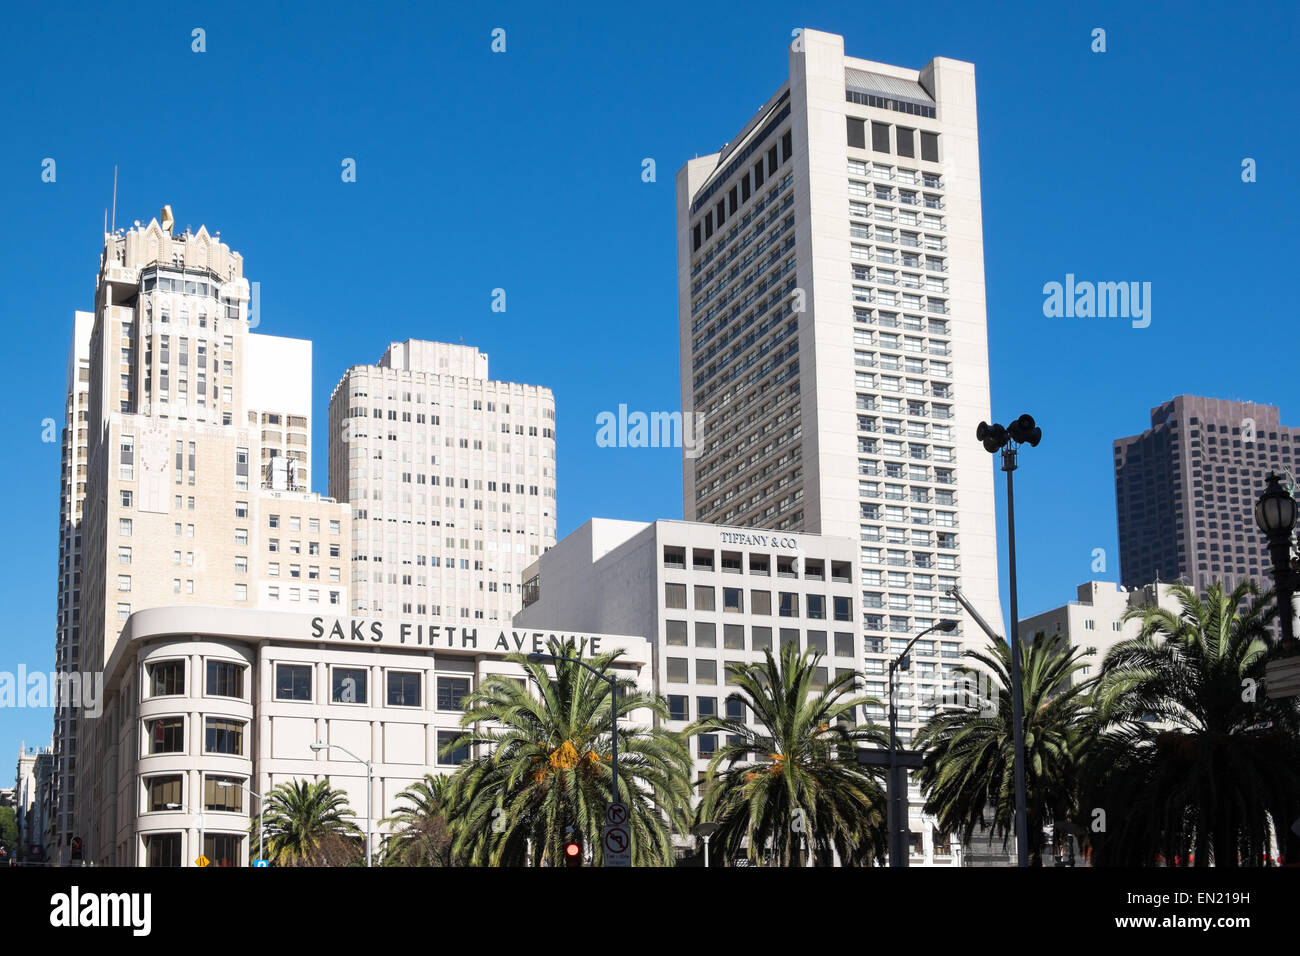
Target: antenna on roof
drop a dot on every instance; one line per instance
(115, 197)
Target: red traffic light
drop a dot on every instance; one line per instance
(573, 853)
(572, 849)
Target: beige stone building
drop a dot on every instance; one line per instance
(451, 479)
(197, 467)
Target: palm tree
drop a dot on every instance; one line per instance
(1194, 763)
(968, 767)
(543, 771)
(420, 833)
(791, 777)
(307, 824)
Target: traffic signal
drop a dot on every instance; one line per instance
(573, 852)
(76, 848)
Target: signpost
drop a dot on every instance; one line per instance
(202, 860)
(260, 863)
(617, 837)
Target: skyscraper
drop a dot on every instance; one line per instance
(451, 477)
(1185, 491)
(197, 460)
(833, 335)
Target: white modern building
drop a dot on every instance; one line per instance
(1095, 622)
(451, 478)
(206, 705)
(706, 597)
(834, 337)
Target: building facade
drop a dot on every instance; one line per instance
(1095, 622)
(1185, 491)
(707, 597)
(451, 478)
(205, 707)
(197, 468)
(834, 340)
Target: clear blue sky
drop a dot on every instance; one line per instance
(522, 171)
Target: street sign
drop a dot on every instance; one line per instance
(617, 837)
(202, 861)
(260, 863)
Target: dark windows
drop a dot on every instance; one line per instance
(771, 161)
(758, 174)
(404, 689)
(695, 238)
(906, 140)
(222, 736)
(225, 679)
(166, 678)
(744, 187)
(162, 849)
(160, 791)
(720, 212)
(930, 146)
(731, 201)
(706, 706)
(708, 225)
(293, 682)
(857, 133)
(880, 137)
(678, 707)
(458, 755)
(223, 849)
(787, 146)
(843, 609)
(451, 692)
(735, 709)
(348, 685)
(166, 735)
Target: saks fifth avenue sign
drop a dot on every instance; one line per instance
(405, 633)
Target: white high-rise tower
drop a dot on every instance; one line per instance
(834, 338)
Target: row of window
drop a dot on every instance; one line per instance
(760, 602)
(734, 635)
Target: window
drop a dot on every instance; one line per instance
(857, 133)
(760, 602)
(708, 744)
(675, 596)
(161, 791)
(451, 692)
(678, 709)
(880, 137)
(675, 633)
(733, 637)
(221, 736)
(930, 146)
(404, 689)
(293, 682)
(706, 634)
(166, 678)
(456, 756)
(706, 672)
(735, 709)
(733, 600)
(789, 606)
(816, 607)
(166, 735)
(223, 794)
(223, 849)
(706, 706)
(761, 639)
(162, 849)
(843, 644)
(677, 672)
(704, 598)
(348, 685)
(225, 679)
(843, 608)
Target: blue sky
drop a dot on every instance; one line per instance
(521, 171)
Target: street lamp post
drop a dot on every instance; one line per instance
(1275, 513)
(370, 774)
(612, 681)
(1008, 439)
(704, 831)
(896, 818)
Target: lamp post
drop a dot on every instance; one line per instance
(704, 831)
(370, 774)
(261, 830)
(1275, 513)
(896, 818)
(612, 681)
(1022, 431)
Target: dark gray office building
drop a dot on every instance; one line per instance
(1185, 491)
